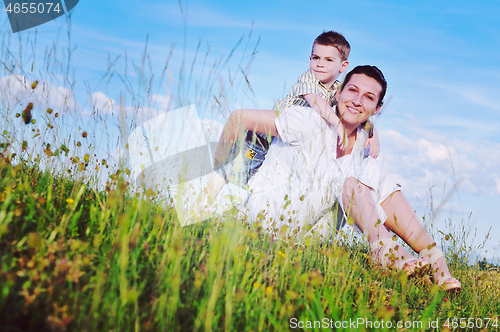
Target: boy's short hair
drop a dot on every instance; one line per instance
(335, 39)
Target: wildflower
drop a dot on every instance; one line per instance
(27, 113)
(292, 295)
(48, 152)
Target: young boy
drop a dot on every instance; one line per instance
(315, 88)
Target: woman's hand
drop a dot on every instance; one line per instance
(374, 144)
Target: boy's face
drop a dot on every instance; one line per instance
(326, 64)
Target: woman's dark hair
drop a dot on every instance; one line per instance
(370, 71)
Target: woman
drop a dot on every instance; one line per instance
(306, 171)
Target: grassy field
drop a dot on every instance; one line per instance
(76, 259)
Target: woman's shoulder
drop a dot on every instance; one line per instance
(300, 116)
(299, 124)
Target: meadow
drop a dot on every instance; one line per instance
(80, 254)
(78, 259)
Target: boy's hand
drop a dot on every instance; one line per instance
(342, 137)
(374, 144)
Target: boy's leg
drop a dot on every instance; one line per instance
(214, 185)
(260, 121)
(254, 153)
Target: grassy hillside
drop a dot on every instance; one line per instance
(76, 259)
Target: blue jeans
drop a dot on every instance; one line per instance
(254, 151)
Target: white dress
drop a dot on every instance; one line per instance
(301, 179)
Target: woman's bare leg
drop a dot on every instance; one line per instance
(359, 204)
(403, 221)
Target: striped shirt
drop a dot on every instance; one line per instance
(306, 84)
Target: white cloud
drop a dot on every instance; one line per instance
(207, 15)
(16, 93)
(212, 129)
(143, 114)
(421, 159)
(197, 14)
(476, 95)
(118, 154)
(102, 103)
(163, 102)
(435, 152)
(497, 180)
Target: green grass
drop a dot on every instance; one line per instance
(76, 259)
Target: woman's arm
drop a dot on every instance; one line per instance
(259, 121)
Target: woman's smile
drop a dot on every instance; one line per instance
(358, 100)
(352, 110)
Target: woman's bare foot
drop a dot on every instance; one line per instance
(440, 271)
(387, 252)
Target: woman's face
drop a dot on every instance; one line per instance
(358, 100)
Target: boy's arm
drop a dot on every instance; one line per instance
(323, 108)
(259, 121)
(374, 142)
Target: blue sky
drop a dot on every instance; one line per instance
(440, 60)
